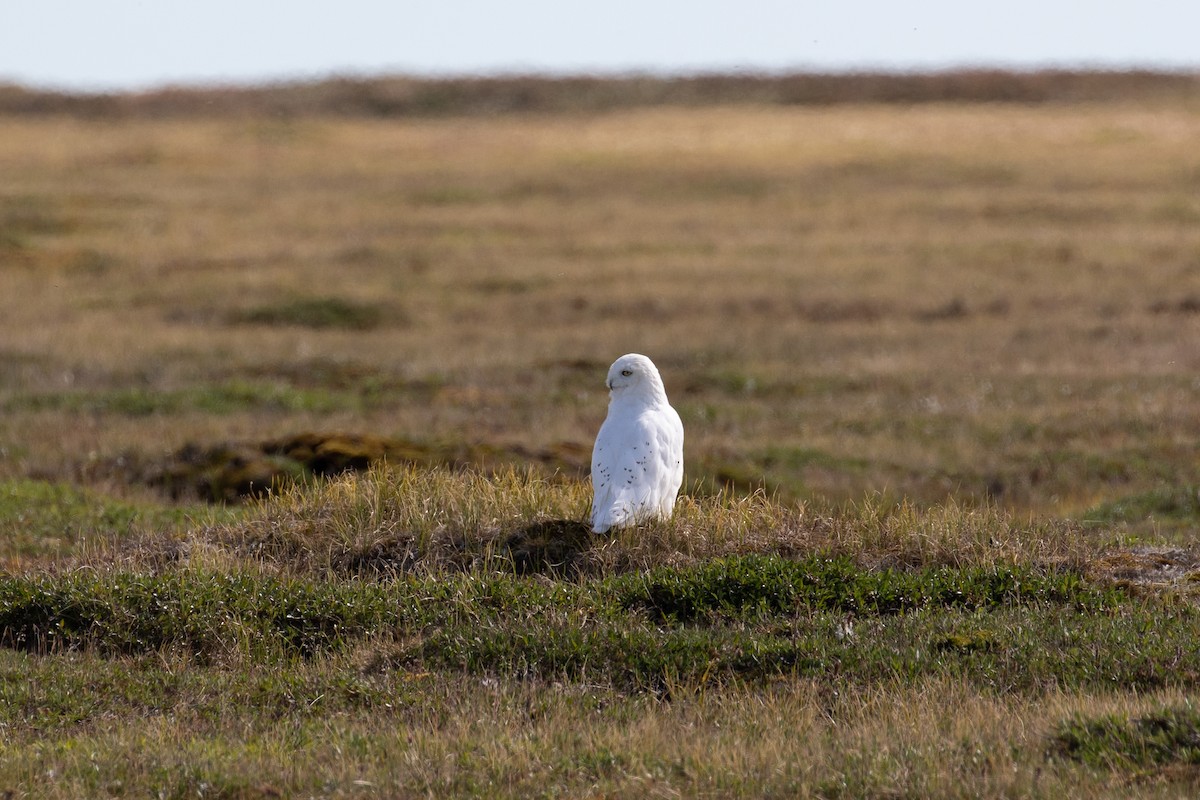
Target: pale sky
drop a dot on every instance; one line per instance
(136, 44)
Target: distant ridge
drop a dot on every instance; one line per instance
(423, 97)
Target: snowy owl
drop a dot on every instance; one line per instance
(637, 463)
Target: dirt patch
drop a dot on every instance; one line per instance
(1189, 304)
(1150, 568)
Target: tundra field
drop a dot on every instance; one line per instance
(296, 411)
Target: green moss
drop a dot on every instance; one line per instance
(337, 453)
(227, 471)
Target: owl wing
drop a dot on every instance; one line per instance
(668, 453)
(637, 467)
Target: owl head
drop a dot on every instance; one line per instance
(634, 374)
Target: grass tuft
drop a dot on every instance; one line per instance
(398, 519)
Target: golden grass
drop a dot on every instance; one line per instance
(420, 520)
(937, 301)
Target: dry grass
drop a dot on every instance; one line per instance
(392, 522)
(970, 302)
(492, 738)
(939, 343)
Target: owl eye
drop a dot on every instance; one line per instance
(626, 372)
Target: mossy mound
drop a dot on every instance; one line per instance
(228, 472)
(223, 472)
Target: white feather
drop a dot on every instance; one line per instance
(637, 462)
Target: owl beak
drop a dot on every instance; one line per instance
(609, 385)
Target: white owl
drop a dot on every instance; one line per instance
(637, 463)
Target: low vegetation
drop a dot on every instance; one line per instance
(298, 386)
(394, 628)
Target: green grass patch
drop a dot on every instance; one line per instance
(40, 518)
(1172, 504)
(206, 613)
(1118, 741)
(315, 312)
(761, 585)
(1030, 648)
(733, 619)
